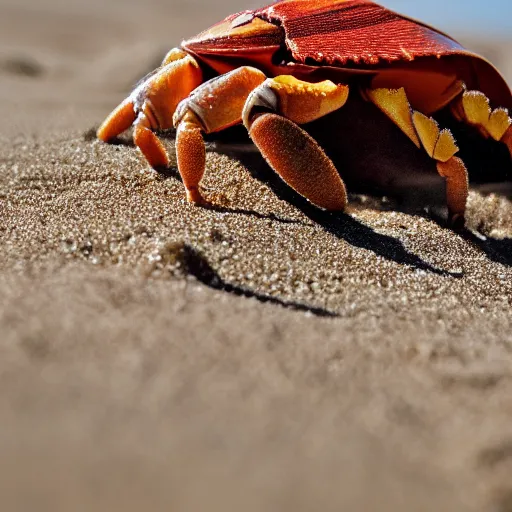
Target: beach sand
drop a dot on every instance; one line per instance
(257, 355)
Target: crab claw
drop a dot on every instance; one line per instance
(120, 119)
(299, 160)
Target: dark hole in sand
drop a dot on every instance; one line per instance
(22, 66)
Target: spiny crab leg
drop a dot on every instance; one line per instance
(152, 104)
(457, 189)
(439, 145)
(473, 108)
(272, 114)
(507, 139)
(213, 106)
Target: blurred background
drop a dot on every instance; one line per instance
(83, 56)
(101, 401)
(470, 17)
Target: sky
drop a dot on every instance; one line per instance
(491, 17)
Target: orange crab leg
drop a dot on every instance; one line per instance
(507, 139)
(439, 145)
(473, 107)
(230, 98)
(299, 160)
(213, 106)
(149, 144)
(119, 120)
(191, 155)
(457, 188)
(152, 104)
(288, 149)
(299, 101)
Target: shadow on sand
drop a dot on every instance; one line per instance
(340, 225)
(195, 264)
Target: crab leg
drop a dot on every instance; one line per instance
(152, 104)
(148, 143)
(191, 155)
(272, 114)
(439, 144)
(119, 120)
(473, 108)
(507, 139)
(215, 105)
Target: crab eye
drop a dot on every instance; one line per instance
(243, 19)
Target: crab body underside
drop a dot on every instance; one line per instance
(284, 67)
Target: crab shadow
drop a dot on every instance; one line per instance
(235, 143)
(173, 173)
(195, 264)
(499, 250)
(339, 224)
(357, 234)
(423, 194)
(495, 249)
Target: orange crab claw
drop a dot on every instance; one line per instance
(120, 119)
(299, 160)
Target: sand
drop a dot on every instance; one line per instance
(257, 355)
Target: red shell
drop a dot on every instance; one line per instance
(339, 31)
(356, 36)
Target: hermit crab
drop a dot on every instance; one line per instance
(281, 67)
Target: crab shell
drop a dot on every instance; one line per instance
(352, 41)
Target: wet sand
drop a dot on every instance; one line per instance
(256, 355)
